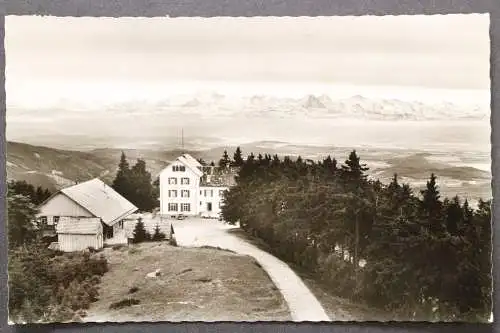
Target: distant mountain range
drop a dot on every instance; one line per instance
(56, 168)
(214, 120)
(323, 106)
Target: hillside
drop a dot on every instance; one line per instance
(55, 168)
(418, 166)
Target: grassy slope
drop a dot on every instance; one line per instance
(197, 284)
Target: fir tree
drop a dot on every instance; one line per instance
(140, 233)
(142, 193)
(121, 183)
(431, 206)
(225, 161)
(20, 219)
(238, 158)
(353, 170)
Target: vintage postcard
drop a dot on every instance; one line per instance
(249, 169)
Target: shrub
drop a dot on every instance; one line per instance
(118, 247)
(172, 241)
(133, 250)
(158, 235)
(124, 303)
(48, 287)
(133, 290)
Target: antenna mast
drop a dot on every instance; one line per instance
(182, 140)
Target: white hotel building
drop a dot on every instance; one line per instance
(191, 189)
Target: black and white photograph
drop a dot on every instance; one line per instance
(304, 169)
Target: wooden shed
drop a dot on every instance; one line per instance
(79, 233)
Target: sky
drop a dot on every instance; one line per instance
(91, 62)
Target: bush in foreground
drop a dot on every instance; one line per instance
(46, 286)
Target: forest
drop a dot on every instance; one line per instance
(414, 254)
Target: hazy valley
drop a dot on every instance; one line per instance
(465, 174)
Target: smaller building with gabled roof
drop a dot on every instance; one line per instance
(77, 204)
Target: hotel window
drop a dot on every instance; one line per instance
(185, 207)
(185, 193)
(172, 207)
(172, 181)
(221, 193)
(172, 193)
(209, 193)
(185, 181)
(201, 203)
(179, 168)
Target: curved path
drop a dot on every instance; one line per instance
(302, 303)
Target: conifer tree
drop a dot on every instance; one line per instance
(431, 206)
(454, 218)
(121, 183)
(140, 233)
(353, 170)
(225, 161)
(238, 158)
(142, 193)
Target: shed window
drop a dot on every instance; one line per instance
(55, 219)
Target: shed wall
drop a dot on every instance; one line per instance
(71, 242)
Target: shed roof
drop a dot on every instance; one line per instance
(78, 225)
(101, 200)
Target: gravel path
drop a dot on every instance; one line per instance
(302, 303)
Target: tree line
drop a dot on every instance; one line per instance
(36, 194)
(135, 184)
(415, 254)
(22, 201)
